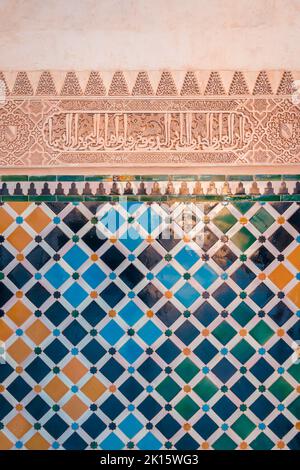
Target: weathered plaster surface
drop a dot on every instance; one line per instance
(149, 34)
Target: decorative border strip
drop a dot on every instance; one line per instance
(149, 83)
(169, 188)
(158, 119)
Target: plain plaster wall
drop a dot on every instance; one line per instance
(149, 34)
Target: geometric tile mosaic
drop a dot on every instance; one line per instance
(124, 327)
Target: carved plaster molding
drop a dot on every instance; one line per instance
(149, 119)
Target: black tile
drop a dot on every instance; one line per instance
(150, 295)
(75, 220)
(168, 240)
(5, 294)
(38, 257)
(112, 294)
(294, 220)
(131, 276)
(262, 258)
(206, 239)
(94, 239)
(281, 239)
(56, 239)
(5, 257)
(37, 295)
(113, 258)
(19, 275)
(168, 313)
(150, 257)
(243, 276)
(56, 207)
(224, 257)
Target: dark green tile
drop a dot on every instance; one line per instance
(14, 178)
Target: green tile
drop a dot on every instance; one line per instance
(294, 408)
(243, 206)
(243, 314)
(224, 443)
(239, 178)
(243, 351)
(99, 178)
(187, 407)
(268, 178)
(262, 220)
(42, 178)
(168, 389)
(291, 177)
(42, 198)
(224, 332)
(187, 370)
(294, 370)
(205, 389)
(70, 198)
(14, 178)
(15, 198)
(243, 239)
(262, 442)
(225, 220)
(72, 178)
(281, 389)
(292, 197)
(212, 178)
(267, 198)
(261, 332)
(96, 198)
(243, 426)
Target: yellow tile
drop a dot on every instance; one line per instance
(281, 276)
(5, 220)
(38, 220)
(294, 295)
(93, 388)
(5, 443)
(19, 207)
(19, 238)
(19, 313)
(294, 257)
(37, 332)
(19, 426)
(56, 389)
(75, 408)
(37, 442)
(75, 370)
(19, 351)
(5, 331)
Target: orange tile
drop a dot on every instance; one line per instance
(19, 313)
(37, 442)
(56, 389)
(294, 257)
(5, 220)
(5, 443)
(281, 276)
(19, 238)
(5, 331)
(19, 351)
(38, 220)
(294, 295)
(75, 408)
(37, 332)
(19, 207)
(19, 426)
(74, 370)
(93, 388)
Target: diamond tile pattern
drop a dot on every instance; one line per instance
(118, 337)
